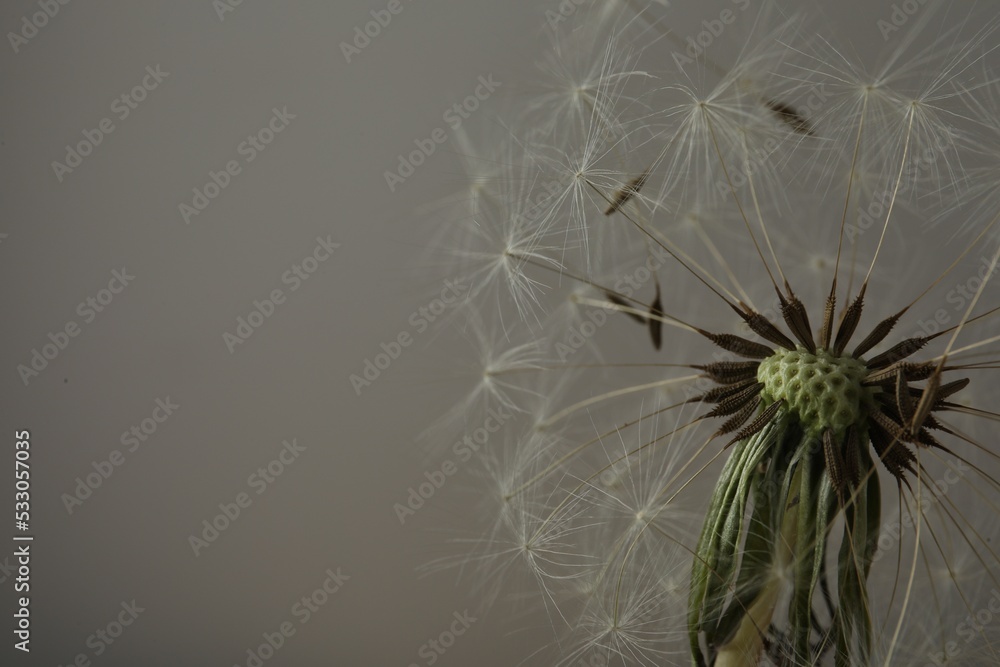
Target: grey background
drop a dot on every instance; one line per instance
(162, 336)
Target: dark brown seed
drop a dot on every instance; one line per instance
(848, 325)
(798, 321)
(835, 465)
(934, 425)
(728, 372)
(788, 115)
(897, 352)
(950, 388)
(925, 438)
(656, 324)
(760, 422)
(618, 301)
(890, 426)
(896, 458)
(877, 335)
(912, 372)
(904, 401)
(722, 393)
(889, 409)
(826, 331)
(735, 402)
(917, 372)
(737, 345)
(739, 418)
(763, 327)
(626, 192)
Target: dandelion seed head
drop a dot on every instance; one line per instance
(754, 397)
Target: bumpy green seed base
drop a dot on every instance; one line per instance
(824, 391)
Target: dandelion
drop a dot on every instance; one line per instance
(755, 392)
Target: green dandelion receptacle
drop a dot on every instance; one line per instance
(822, 390)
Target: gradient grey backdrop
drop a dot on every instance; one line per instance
(162, 336)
